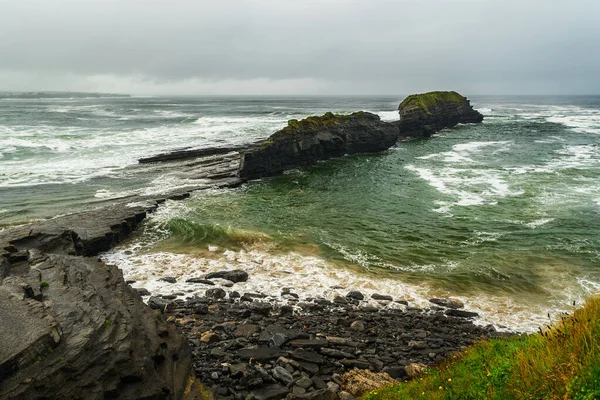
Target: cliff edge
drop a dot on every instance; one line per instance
(317, 138)
(421, 115)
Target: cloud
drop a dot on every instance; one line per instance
(272, 46)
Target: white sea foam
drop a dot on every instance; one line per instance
(388, 115)
(539, 222)
(467, 187)
(312, 276)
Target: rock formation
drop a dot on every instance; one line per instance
(421, 115)
(72, 329)
(318, 138)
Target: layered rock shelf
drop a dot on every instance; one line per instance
(318, 138)
(421, 115)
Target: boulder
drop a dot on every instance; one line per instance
(421, 115)
(360, 381)
(317, 138)
(233, 276)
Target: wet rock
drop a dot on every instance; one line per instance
(234, 295)
(355, 295)
(260, 353)
(200, 280)
(237, 371)
(270, 392)
(309, 356)
(308, 343)
(143, 291)
(282, 375)
(277, 340)
(352, 363)
(340, 300)
(209, 337)
(159, 303)
(246, 330)
(381, 297)
(449, 303)
(233, 276)
(304, 382)
(461, 313)
(335, 353)
(168, 279)
(216, 293)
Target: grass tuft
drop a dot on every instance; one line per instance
(562, 362)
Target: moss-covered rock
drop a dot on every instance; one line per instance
(421, 115)
(317, 138)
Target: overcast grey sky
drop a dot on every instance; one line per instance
(301, 46)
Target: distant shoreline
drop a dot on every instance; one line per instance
(57, 95)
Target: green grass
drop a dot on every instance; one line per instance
(560, 363)
(326, 120)
(427, 100)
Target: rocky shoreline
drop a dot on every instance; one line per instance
(247, 347)
(72, 328)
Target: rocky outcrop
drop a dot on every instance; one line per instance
(72, 329)
(421, 115)
(317, 138)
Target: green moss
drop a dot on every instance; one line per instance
(265, 144)
(326, 120)
(106, 323)
(44, 284)
(427, 100)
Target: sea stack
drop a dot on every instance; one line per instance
(421, 115)
(317, 138)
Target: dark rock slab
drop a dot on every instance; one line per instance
(270, 392)
(381, 297)
(309, 356)
(95, 338)
(260, 353)
(233, 276)
(461, 313)
(200, 280)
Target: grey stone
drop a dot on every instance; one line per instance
(282, 375)
(233, 276)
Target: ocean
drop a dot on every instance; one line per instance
(502, 215)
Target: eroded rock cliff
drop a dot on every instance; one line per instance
(71, 328)
(421, 115)
(318, 138)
